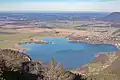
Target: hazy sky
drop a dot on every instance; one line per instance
(60, 5)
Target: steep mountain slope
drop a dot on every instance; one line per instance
(15, 65)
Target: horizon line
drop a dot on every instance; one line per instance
(58, 11)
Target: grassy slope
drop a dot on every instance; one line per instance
(96, 71)
(9, 40)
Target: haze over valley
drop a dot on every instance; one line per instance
(59, 40)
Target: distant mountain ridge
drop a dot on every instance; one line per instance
(115, 17)
(51, 16)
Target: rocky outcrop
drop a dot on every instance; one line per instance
(15, 65)
(13, 58)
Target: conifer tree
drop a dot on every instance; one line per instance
(52, 64)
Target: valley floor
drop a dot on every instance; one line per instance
(95, 35)
(9, 38)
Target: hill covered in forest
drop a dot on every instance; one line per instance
(115, 17)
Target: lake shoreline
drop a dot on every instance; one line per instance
(36, 41)
(61, 49)
(93, 41)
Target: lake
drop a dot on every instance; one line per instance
(70, 55)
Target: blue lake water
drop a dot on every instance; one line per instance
(70, 55)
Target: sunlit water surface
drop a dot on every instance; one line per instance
(70, 55)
